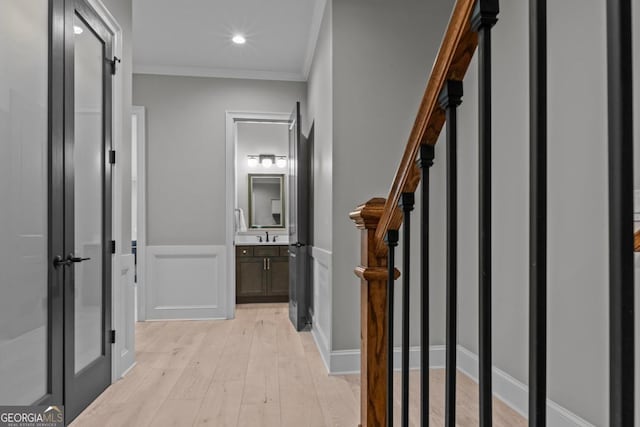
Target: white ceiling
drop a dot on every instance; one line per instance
(193, 37)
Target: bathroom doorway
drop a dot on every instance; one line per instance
(257, 192)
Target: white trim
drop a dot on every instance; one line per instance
(232, 117)
(322, 346)
(129, 369)
(117, 111)
(516, 394)
(170, 70)
(314, 33)
(141, 145)
(348, 361)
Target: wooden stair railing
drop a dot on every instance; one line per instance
(377, 216)
(380, 220)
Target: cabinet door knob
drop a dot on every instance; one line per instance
(244, 252)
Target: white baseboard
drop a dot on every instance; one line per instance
(516, 394)
(511, 391)
(321, 345)
(343, 362)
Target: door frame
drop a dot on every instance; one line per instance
(232, 119)
(141, 218)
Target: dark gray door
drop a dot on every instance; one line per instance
(31, 209)
(299, 224)
(88, 74)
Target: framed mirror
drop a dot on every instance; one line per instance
(266, 201)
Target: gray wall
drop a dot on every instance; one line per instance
(319, 111)
(382, 56)
(578, 237)
(186, 149)
(122, 12)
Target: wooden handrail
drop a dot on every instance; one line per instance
(377, 216)
(452, 62)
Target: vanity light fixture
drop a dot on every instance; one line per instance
(266, 160)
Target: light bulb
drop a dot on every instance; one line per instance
(267, 162)
(281, 162)
(239, 39)
(252, 161)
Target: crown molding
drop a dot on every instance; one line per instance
(227, 73)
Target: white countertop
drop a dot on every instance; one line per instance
(253, 240)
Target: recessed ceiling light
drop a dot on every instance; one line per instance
(239, 39)
(77, 30)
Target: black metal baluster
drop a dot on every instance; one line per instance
(392, 241)
(406, 204)
(450, 99)
(425, 161)
(538, 213)
(484, 18)
(621, 262)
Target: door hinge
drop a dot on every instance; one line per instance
(113, 246)
(112, 157)
(113, 63)
(113, 336)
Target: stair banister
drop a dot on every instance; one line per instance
(378, 216)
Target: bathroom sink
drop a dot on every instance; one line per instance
(253, 240)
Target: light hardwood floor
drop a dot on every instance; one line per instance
(255, 370)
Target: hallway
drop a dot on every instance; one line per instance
(264, 374)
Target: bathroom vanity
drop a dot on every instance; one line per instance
(262, 273)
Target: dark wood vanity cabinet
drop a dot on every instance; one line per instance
(262, 274)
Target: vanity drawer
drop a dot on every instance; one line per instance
(284, 250)
(266, 250)
(244, 251)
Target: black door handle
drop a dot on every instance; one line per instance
(299, 244)
(72, 258)
(59, 262)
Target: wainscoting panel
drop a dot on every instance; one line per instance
(124, 353)
(186, 282)
(321, 322)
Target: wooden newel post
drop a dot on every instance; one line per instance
(373, 302)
